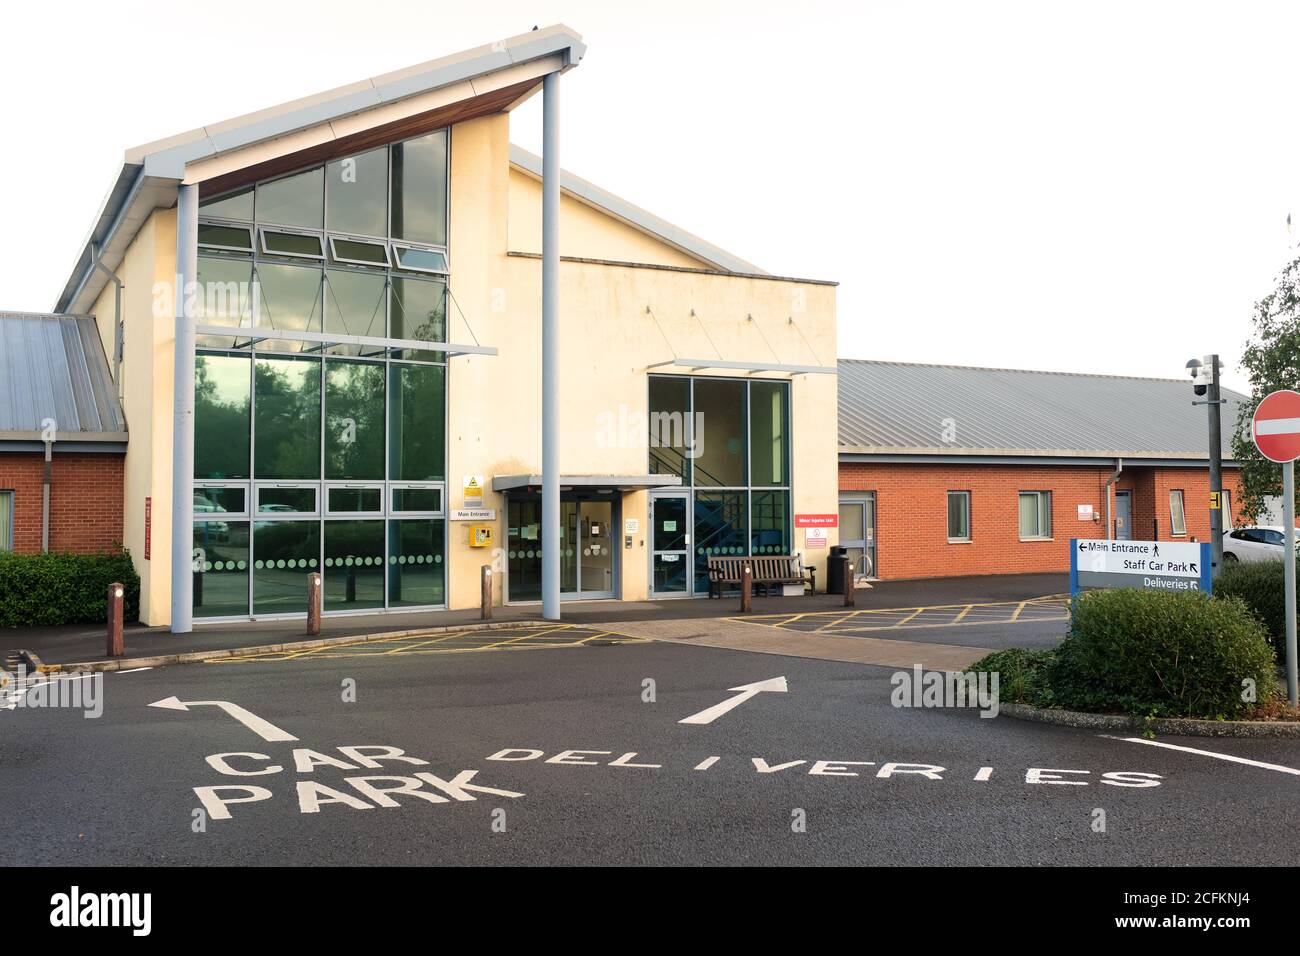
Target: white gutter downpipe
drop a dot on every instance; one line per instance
(550, 346)
(1119, 470)
(187, 267)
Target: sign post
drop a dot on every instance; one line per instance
(1148, 565)
(1276, 431)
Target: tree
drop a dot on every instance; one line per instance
(1272, 360)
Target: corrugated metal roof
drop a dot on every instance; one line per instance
(895, 407)
(53, 367)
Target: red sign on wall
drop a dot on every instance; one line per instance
(816, 521)
(148, 525)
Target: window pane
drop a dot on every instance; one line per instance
(354, 565)
(286, 500)
(958, 515)
(420, 189)
(419, 312)
(415, 568)
(287, 420)
(226, 288)
(669, 414)
(719, 530)
(850, 521)
(354, 420)
(226, 237)
(356, 194)
(415, 422)
(356, 499)
(293, 201)
(417, 499)
(720, 421)
(770, 521)
(237, 205)
(292, 244)
(768, 435)
(218, 500)
(283, 553)
(425, 260)
(372, 253)
(220, 568)
(289, 300)
(1045, 513)
(6, 520)
(1177, 520)
(354, 302)
(221, 416)
(1028, 515)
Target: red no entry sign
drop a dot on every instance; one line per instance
(1276, 426)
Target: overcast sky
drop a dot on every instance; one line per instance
(1084, 186)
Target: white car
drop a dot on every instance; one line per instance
(1253, 543)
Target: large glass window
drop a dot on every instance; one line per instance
(288, 299)
(354, 420)
(416, 403)
(236, 205)
(419, 311)
(356, 194)
(226, 288)
(1035, 514)
(220, 568)
(415, 566)
(718, 436)
(670, 419)
(221, 416)
(287, 418)
(354, 565)
(354, 302)
(420, 189)
(770, 523)
(768, 434)
(720, 530)
(296, 200)
(283, 553)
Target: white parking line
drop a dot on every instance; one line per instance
(135, 670)
(1209, 753)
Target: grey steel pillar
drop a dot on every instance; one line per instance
(187, 268)
(550, 346)
(1288, 578)
(1216, 467)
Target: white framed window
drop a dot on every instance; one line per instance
(415, 499)
(415, 258)
(220, 500)
(354, 498)
(1035, 515)
(6, 520)
(287, 499)
(228, 236)
(292, 243)
(360, 252)
(958, 516)
(1177, 516)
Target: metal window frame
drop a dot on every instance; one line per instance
(1044, 509)
(1182, 512)
(379, 244)
(438, 486)
(288, 485)
(378, 486)
(318, 235)
(7, 529)
(243, 485)
(970, 533)
(228, 224)
(405, 244)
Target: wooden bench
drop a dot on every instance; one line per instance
(769, 571)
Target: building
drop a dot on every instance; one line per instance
(362, 273)
(950, 471)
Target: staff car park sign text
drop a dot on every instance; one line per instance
(1151, 565)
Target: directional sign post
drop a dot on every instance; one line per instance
(1151, 565)
(1276, 430)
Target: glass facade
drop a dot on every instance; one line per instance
(729, 441)
(330, 455)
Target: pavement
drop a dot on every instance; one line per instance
(82, 643)
(606, 752)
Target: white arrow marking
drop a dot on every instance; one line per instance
(263, 728)
(744, 692)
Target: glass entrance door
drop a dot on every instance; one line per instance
(596, 555)
(588, 564)
(670, 547)
(858, 532)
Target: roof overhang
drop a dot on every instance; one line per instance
(596, 482)
(245, 338)
(431, 95)
(700, 365)
(902, 454)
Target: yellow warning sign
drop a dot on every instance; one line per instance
(473, 491)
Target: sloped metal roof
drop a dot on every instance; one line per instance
(53, 367)
(900, 408)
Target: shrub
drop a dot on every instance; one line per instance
(1022, 674)
(1260, 586)
(1153, 653)
(58, 588)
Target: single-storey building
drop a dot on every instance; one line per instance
(946, 470)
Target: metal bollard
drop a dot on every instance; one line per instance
(850, 592)
(116, 599)
(485, 600)
(313, 603)
(746, 589)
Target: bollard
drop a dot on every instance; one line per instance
(313, 603)
(116, 598)
(485, 599)
(746, 589)
(850, 592)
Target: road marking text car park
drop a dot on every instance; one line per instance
(829, 768)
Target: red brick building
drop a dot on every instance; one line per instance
(62, 437)
(948, 471)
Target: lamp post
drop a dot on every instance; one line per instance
(1205, 384)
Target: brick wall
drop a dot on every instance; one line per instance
(85, 500)
(912, 512)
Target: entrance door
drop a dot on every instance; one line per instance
(588, 563)
(1124, 516)
(858, 532)
(596, 549)
(670, 546)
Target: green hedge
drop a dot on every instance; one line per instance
(1146, 653)
(1260, 587)
(57, 588)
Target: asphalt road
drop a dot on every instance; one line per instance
(120, 789)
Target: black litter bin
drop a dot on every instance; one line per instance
(835, 565)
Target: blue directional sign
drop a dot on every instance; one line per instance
(1150, 565)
